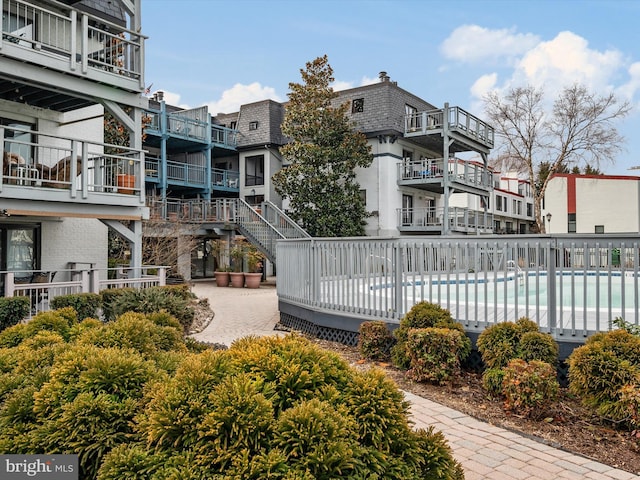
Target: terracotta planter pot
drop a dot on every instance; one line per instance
(253, 280)
(126, 183)
(222, 279)
(237, 279)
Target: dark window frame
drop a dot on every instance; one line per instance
(254, 170)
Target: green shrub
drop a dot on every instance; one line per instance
(502, 342)
(436, 354)
(600, 370)
(538, 346)
(180, 291)
(109, 296)
(135, 331)
(87, 305)
(13, 336)
(152, 300)
(492, 381)
(264, 408)
(529, 388)
(421, 315)
(375, 340)
(498, 344)
(58, 321)
(13, 310)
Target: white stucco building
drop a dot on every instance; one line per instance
(592, 204)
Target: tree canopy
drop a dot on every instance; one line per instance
(323, 154)
(577, 130)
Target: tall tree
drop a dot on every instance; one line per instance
(324, 152)
(579, 129)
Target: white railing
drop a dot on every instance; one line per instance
(79, 39)
(458, 120)
(43, 286)
(49, 163)
(457, 171)
(571, 286)
(459, 219)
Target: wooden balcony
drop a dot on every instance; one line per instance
(429, 174)
(431, 220)
(60, 176)
(52, 37)
(467, 131)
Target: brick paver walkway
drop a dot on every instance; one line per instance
(485, 451)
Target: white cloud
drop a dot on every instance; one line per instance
(239, 94)
(172, 98)
(484, 85)
(369, 80)
(565, 60)
(474, 44)
(339, 85)
(629, 89)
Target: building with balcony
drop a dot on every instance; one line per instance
(581, 204)
(62, 65)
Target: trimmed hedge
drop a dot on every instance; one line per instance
(13, 310)
(374, 340)
(421, 315)
(436, 354)
(87, 305)
(529, 388)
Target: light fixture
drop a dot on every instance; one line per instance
(549, 221)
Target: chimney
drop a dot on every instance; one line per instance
(383, 77)
(160, 95)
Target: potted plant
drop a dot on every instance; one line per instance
(219, 251)
(237, 257)
(254, 265)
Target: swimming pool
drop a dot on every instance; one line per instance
(587, 289)
(583, 299)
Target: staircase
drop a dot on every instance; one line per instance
(264, 227)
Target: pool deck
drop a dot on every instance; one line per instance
(484, 450)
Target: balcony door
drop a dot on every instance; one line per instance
(407, 210)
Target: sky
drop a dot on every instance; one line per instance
(225, 53)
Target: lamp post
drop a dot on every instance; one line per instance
(549, 222)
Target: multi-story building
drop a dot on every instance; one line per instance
(576, 203)
(62, 64)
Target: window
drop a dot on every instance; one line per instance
(407, 155)
(599, 229)
(407, 210)
(485, 203)
(357, 106)
(254, 170)
(496, 226)
(18, 138)
(253, 125)
(519, 208)
(509, 226)
(498, 203)
(234, 125)
(514, 206)
(254, 200)
(363, 196)
(529, 209)
(571, 223)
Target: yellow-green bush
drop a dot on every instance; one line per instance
(146, 408)
(421, 315)
(605, 372)
(500, 343)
